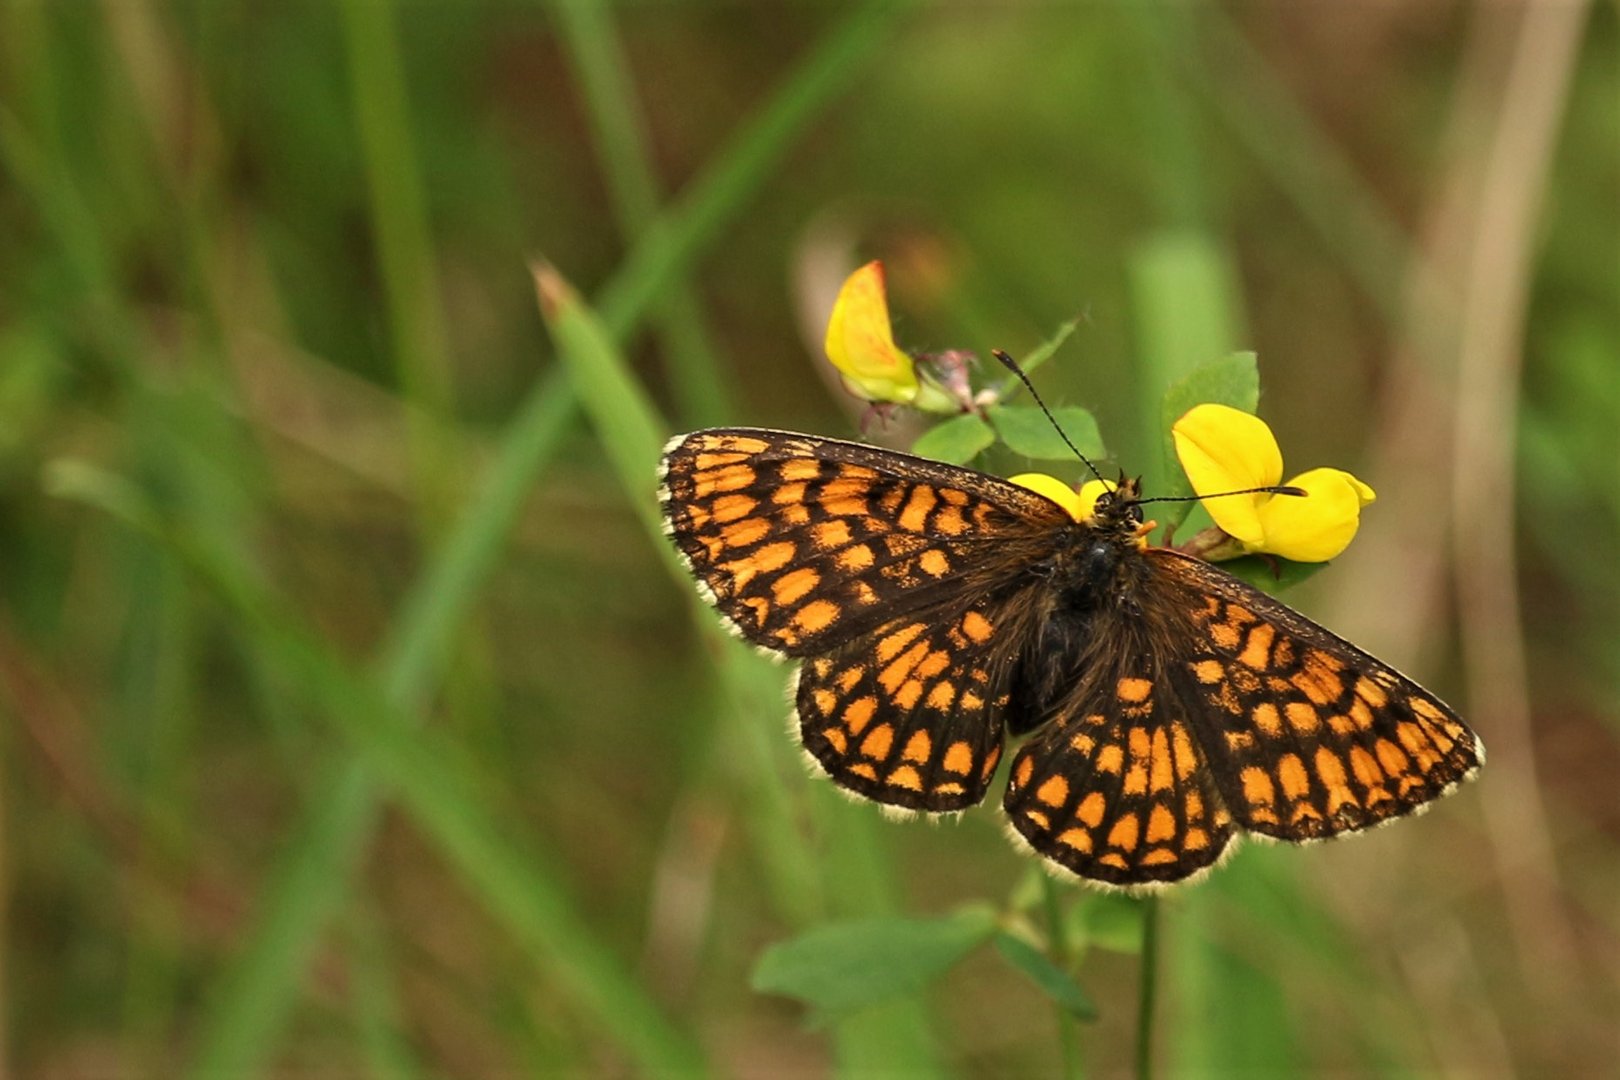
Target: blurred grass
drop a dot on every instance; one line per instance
(265, 293)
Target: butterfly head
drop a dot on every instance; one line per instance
(1119, 511)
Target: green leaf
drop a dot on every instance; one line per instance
(1269, 573)
(1058, 984)
(1027, 431)
(1109, 921)
(957, 441)
(841, 967)
(1232, 380)
(1043, 352)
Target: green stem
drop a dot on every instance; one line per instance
(1058, 938)
(1144, 1009)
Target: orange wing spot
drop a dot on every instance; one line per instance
(1124, 833)
(1163, 769)
(1225, 635)
(1195, 840)
(1296, 782)
(846, 506)
(1039, 818)
(1411, 737)
(861, 768)
(1305, 812)
(1240, 616)
(918, 747)
(859, 713)
(1262, 815)
(864, 594)
(832, 534)
(1083, 743)
(932, 664)
(732, 507)
(893, 644)
(990, 760)
(1110, 759)
(979, 675)
(742, 444)
(799, 469)
(1390, 757)
(1266, 719)
(1078, 839)
(1427, 710)
(1365, 766)
(1330, 770)
(835, 739)
(934, 563)
(953, 497)
(1342, 725)
(825, 700)
(1023, 771)
(1360, 715)
(941, 696)
(1116, 861)
(855, 559)
(915, 514)
(795, 515)
(1136, 780)
(770, 558)
(1282, 653)
(1301, 717)
(1371, 693)
(1209, 672)
(959, 758)
(1186, 757)
(906, 777)
(1091, 809)
(1193, 805)
(816, 616)
(1158, 857)
(1320, 680)
(1140, 742)
(1053, 791)
(850, 677)
(745, 533)
(1257, 787)
(1161, 825)
(1239, 741)
(971, 702)
(878, 742)
(792, 586)
(1133, 690)
(844, 487)
(789, 494)
(948, 521)
(900, 670)
(726, 478)
(977, 627)
(909, 694)
(950, 787)
(1257, 649)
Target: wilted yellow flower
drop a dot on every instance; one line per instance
(1080, 504)
(1225, 449)
(860, 341)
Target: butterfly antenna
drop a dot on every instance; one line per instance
(1012, 365)
(1273, 489)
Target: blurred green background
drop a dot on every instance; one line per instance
(357, 722)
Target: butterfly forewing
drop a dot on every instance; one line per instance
(1307, 735)
(806, 543)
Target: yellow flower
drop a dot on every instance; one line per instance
(1080, 504)
(860, 342)
(1225, 449)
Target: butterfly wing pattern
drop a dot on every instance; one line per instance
(938, 610)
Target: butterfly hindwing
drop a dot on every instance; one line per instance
(805, 543)
(911, 714)
(1117, 789)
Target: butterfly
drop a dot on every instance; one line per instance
(1170, 708)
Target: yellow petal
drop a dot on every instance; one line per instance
(860, 342)
(1226, 449)
(1080, 504)
(1315, 527)
(1054, 489)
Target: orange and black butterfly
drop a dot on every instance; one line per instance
(937, 610)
